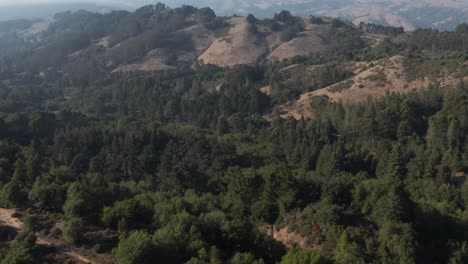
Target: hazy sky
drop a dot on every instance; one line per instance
(119, 2)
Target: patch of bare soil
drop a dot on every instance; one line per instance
(218, 87)
(104, 42)
(289, 239)
(7, 218)
(374, 39)
(266, 90)
(36, 28)
(153, 61)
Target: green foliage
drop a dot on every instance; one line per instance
(350, 249)
(382, 200)
(459, 253)
(12, 194)
(49, 190)
(379, 29)
(244, 258)
(396, 243)
(31, 222)
(251, 19)
(316, 20)
(303, 256)
(343, 37)
(75, 204)
(21, 252)
(73, 231)
(18, 256)
(127, 215)
(435, 40)
(287, 35)
(350, 181)
(137, 248)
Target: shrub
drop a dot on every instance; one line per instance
(73, 231)
(97, 249)
(316, 20)
(302, 256)
(135, 249)
(287, 35)
(31, 222)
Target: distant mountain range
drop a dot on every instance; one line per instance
(38, 11)
(439, 14)
(411, 14)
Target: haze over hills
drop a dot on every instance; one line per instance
(438, 14)
(81, 44)
(158, 38)
(47, 11)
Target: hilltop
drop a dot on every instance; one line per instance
(159, 38)
(437, 14)
(299, 59)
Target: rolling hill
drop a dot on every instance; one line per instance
(438, 14)
(373, 80)
(302, 57)
(158, 38)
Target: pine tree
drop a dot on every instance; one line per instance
(12, 194)
(396, 170)
(266, 209)
(331, 159)
(20, 173)
(453, 134)
(33, 166)
(397, 243)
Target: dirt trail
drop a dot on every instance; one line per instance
(385, 76)
(7, 219)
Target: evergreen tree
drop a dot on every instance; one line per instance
(73, 231)
(396, 243)
(20, 173)
(396, 164)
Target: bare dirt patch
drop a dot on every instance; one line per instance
(36, 28)
(104, 42)
(7, 218)
(153, 61)
(266, 90)
(289, 239)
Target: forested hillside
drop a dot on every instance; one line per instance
(105, 162)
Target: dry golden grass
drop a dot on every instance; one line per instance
(380, 77)
(241, 45)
